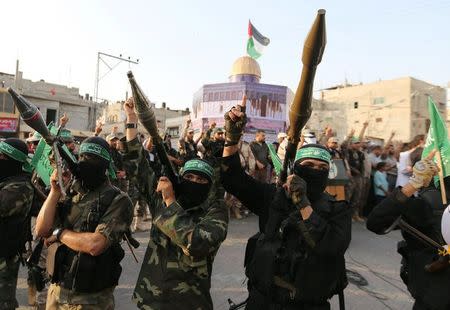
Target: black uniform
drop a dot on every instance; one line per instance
(430, 290)
(291, 264)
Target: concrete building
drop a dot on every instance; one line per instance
(267, 104)
(398, 105)
(167, 119)
(53, 101)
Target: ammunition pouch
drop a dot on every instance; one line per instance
(12, 235)
(266, 270)
(82, 272)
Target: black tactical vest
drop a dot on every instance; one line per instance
(85, 273)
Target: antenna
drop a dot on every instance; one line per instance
(103, 57)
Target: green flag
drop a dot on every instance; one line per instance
(437, 138)
(41, 158)
(277, 164)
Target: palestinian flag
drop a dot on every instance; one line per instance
(256, 42)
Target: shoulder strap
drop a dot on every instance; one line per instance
(106, 198)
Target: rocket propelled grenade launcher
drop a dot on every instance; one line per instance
(147, 118)
(33, 118)
(300, 110)
(31, 115)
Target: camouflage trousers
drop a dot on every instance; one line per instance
(354, 190)
(9, 269)
(62, 299)
(138, 200)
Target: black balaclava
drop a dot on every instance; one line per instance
(10, 167)
(191, 194)
(315, 179)
(92, 172)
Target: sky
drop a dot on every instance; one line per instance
(182, 45)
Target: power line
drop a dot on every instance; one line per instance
(103, 57)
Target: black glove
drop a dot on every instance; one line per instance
(297, 189)
(234, 128)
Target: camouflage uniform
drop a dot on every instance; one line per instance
(16, 196)
(112, 224)
(135, 189)
(176, 271)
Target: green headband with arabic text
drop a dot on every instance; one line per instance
(96, 149)
(197, 165)
(314, 153)
(15, 154)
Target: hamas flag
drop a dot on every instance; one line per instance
(437, 138)
(256, 42)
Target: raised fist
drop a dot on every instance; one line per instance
(128, 106)
(423, 173)
(235, 121)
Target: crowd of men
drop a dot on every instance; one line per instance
(296, 260)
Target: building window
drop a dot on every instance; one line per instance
(227, 95)
(222, 95)
(234, 95)
(173, 131)
(210, 97)
(6, 103)
(216, 96)
(51, 116)
(355, 105)
(378, 100)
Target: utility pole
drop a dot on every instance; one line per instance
(103, 57)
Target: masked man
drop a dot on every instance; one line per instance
(187, 230)
(214, 144)
(420, 205)
(83, 233)
(297, 259)
(16, 196)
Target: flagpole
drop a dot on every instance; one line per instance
(441, 177)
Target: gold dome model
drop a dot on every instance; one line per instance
(246, 65)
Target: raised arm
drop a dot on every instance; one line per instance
(144, 176)
(387, 211)
(388, 143)
(363, 130)
(344, 144)
(254, 195)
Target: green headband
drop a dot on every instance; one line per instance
(15, 154)
(93, 148)
(67, 134)
(314, 153)
(199, 166)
